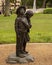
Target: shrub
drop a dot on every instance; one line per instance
(48, 11)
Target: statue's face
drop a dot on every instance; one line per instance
(22, 11)
(29, 14)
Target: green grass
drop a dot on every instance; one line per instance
(41, 30)
(7, 33)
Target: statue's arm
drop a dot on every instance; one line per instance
(30, 24)
(26, 24)
(16, 25)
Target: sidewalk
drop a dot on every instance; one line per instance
(41, 52)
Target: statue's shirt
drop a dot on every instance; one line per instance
(21, 24)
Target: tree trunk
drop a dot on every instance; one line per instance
(7, 8)
(34, 6)
(44, 4)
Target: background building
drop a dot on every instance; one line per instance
(0, 5)
(2, 2)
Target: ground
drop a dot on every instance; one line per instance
(41, 52)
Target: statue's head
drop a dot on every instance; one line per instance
(29, 13)
(21, 10)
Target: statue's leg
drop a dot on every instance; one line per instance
(24, 46)
(17, 45)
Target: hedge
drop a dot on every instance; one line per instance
(48, 11)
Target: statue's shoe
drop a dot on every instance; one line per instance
(21, 55)
(26, 52)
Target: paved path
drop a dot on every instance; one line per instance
(41, 52)
(37, 10)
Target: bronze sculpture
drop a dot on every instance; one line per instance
(22, 27)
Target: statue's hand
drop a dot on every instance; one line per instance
(30, 26)
(28, 30)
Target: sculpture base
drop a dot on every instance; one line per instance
(13, 59)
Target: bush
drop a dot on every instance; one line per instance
(48, 11)
(38, 5)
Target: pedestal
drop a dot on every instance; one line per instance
(13, 59)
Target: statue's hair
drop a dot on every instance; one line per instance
(18, 9)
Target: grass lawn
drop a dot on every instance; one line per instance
(41, 30)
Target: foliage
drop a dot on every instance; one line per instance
(48, 11)
(12, 1)
(24, 2)
(49, 3)
(28, 3)
(39, 3)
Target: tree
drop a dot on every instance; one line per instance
(7, 8)
(49, 3)
(39, 3)
(34, 6)
(27, 3)
(44, 3)
(23, 2)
